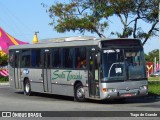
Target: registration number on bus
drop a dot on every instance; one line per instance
(127, 95)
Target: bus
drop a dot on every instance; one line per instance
(83, 67)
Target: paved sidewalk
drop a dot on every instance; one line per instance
(7, 83)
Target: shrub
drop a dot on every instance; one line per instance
(3, 60)
(4, 79)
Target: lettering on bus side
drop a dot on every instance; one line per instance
(67, 75)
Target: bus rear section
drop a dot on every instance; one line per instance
(123, 71)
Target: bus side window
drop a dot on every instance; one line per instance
(80, 57)
(11, 58)
(68, 54)
(16, 61)
(56, 58)
(36, 58)
(26, 55)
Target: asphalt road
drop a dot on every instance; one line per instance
(11, 100)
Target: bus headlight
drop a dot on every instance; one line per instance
(144, 87)
(110, 90)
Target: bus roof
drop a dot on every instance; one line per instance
(66, 41)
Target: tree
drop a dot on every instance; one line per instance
(151, 55)
(81, 15)
(93, 16)
(3, 60)
(131, 13)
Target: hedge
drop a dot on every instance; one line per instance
(4, 79)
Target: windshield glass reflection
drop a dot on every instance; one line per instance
(122, 64)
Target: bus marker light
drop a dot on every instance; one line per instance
(46, 50)
(111, 90)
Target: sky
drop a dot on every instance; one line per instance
(21, 18)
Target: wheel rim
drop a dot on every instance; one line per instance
(80, 92)
(27, 88)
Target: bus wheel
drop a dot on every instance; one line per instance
(27, 87)
(79, 93)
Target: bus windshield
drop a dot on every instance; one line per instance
(123, 64)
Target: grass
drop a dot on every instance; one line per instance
(154, 88)
(153, 78)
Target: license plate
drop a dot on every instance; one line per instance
(127, 95)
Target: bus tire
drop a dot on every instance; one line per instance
(27, 88)
(79, 93)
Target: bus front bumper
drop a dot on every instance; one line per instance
(123, 94)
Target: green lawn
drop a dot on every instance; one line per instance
(154, 78)
(154, 87)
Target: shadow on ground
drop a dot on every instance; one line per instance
(146, 99)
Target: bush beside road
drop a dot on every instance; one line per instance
(4, 79)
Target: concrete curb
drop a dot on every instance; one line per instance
(152, 97)
(4, 83)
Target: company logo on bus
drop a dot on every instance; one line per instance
(66, 75)
(127, 89)
(26, 71)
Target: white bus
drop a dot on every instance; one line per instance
(82, 67)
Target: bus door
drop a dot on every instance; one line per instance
(17, 70)
(93, 81)
(47, 70)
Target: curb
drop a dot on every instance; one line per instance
(152, 97)
(4, 83)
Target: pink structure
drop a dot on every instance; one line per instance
(4, 72)
(7, 40)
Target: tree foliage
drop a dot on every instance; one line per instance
(93, 16)
(3, 60)
(133, 12)
(151, 55)
(80, 15)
